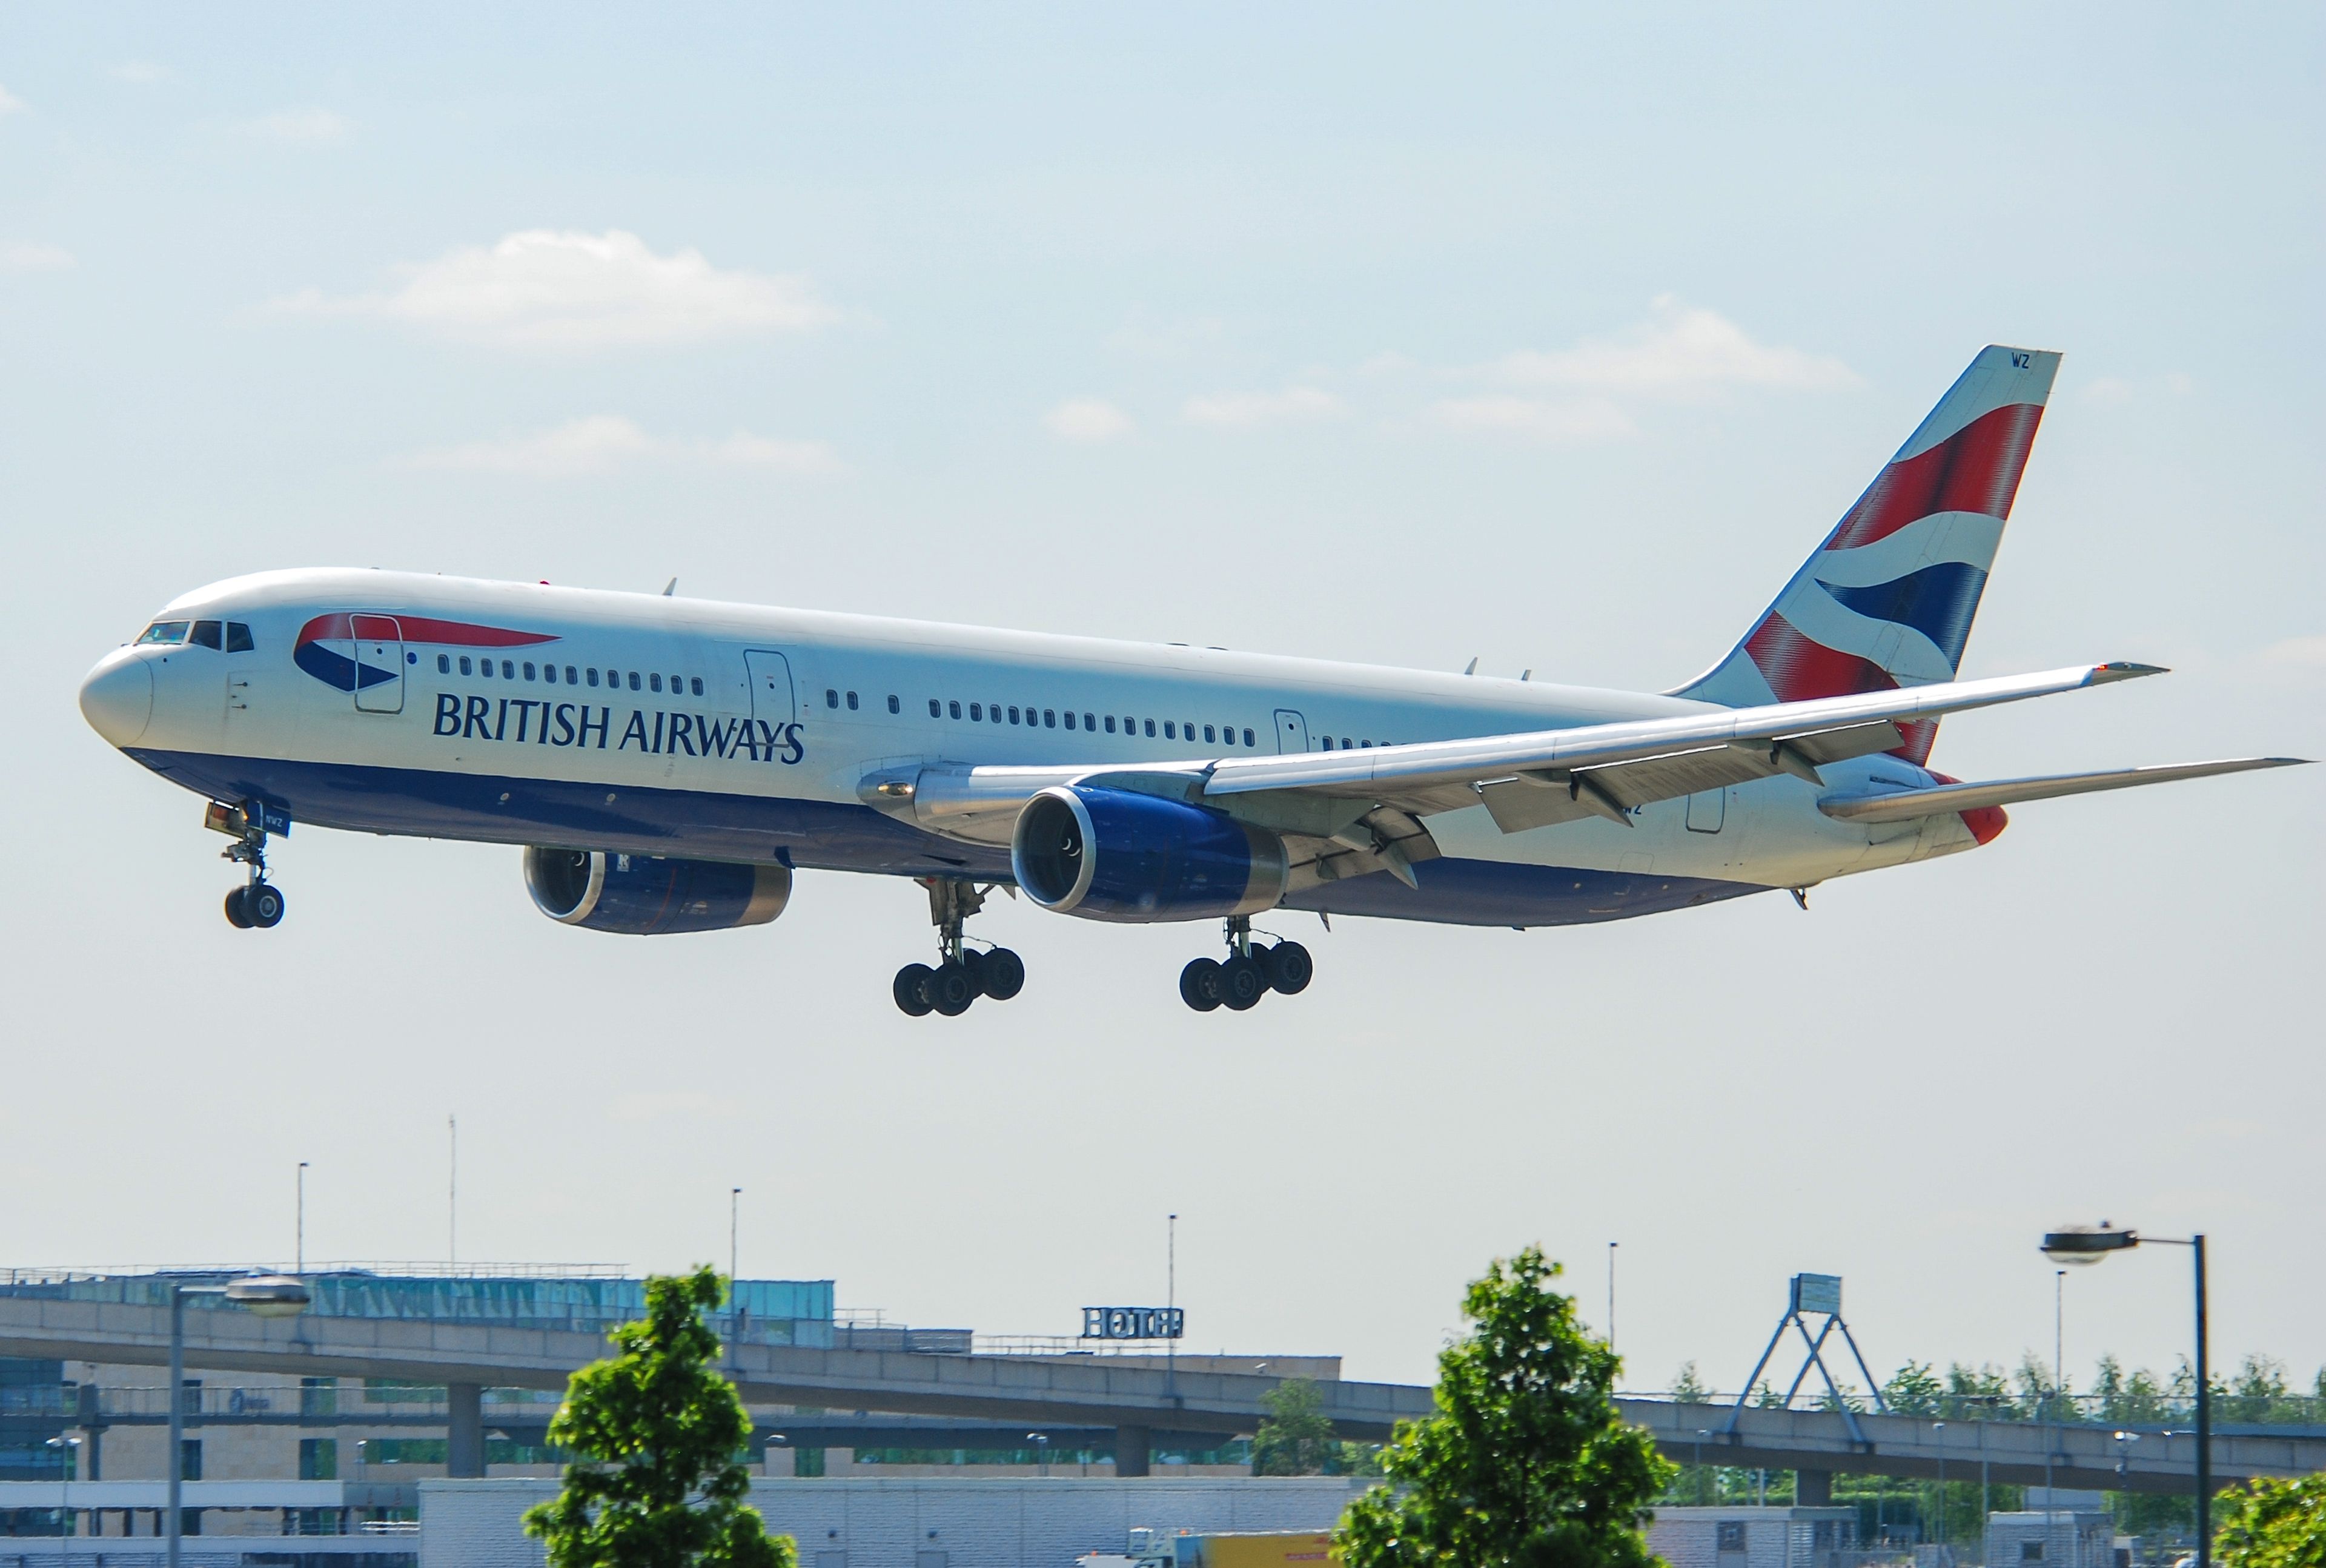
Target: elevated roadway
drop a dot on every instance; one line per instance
(1137, 1397)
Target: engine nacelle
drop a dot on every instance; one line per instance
(1117, 855)
(642, 895)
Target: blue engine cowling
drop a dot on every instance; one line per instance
(642, 896)
(1117, 855)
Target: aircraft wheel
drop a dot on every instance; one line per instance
(951, 990)
(1199, 984)
(1242, 982)
(1004, 975)
(263, 902)
(911, 989)
(1289, 968)
(237, 916)
(974, 964)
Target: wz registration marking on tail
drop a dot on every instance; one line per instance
(1104, 780)
(570, 724)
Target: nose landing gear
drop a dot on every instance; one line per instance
(1249, 972)
(962, 973)
(257, 902)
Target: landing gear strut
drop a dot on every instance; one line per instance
(1249, 972)
(962, 973)
(257, 902)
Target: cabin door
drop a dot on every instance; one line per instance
(380, 663)
(1291, 731)
(771, 686)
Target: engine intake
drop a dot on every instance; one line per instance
(1118, 855)
(644, 896)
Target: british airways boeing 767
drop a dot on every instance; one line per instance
(667, 763)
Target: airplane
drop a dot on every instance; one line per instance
(666, 764)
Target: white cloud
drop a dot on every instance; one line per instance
(1087, 418)
(603, 443)
(2117, 390)
(1567, 420)
(1681, 351)
(1181, 338)
(10, 104)
(541, 288)
(141, 72)
(31, 256)
(1249, 410)
(311, 127)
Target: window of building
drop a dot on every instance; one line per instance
(237, 638)
(172, 632)
(1050, 718)
(893, 706)
(208, 634)
(528, 670)
(1732, 1536)
(1110, 724)
(1248, 739)
(319, 1395)
(443, 663)
(190, 1459)
(1170, 730)
(318, 1459)
(1150, 730)
(2030, 1551)
(634, 680)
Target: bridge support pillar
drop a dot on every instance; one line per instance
(1131, 1448)
(1813, 1489)
(464, 1435)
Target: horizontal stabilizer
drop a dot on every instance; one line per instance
(1905, 805)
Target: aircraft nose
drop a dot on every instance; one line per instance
(117, 698)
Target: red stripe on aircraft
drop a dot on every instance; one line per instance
(1799, 668)
(422, 629)
(1975, 469)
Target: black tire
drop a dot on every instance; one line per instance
(911, 989)
(1289, 968)
(1005, 974)
(1199, 984)
(1242, 982)
(263, 902)
(973, 964)
(235, 914)
(951, 990)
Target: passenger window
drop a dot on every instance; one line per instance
(1150, 730)
(936, 709)
(1207, 735)
(832, 696)
(653, 680)
(528, 670)
(851, 700)
(953, 708)
(1366, 743)
(464, 664)
(593, 674)
(1171, 731)
(164, 632)
(694, 685)
(677, 685)
(1345, 743)
(993, 712)
(1050, 718)
(1013, 716)
(549, 674)
(977, 712)
(634, 680)
(1089, 722)
(208, 634)
(443, 663)
(237, 638)
(893, 706)
(1248, 739)
(485, 668)
(1070, 719)
(1329, 743)
(1110, 724)
(509, 669)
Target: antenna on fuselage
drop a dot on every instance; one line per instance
(1474, 666)
(670, 588)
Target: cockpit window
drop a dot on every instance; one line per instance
(208, 634)
(237, 638)
(165, 632)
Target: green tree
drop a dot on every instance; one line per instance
(2274, 1524)
(1913, 1389)
(1526, 1463)
(1694, 1485)
(1296, 1436)
(658, 1481)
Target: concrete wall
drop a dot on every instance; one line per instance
(908, 1524)
(1780, 1538)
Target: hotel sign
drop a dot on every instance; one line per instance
(1104, 1322)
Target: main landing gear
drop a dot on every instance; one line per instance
(257, 902)
(1249, 972)
(962, 973)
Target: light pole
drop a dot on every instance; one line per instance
(266, 1295)
(65, 1457)
(299, 1261)
(1041, 1441)
(1939, 1431)
(2079, 1245)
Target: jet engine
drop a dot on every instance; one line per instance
(642, 895)
(1108, 854)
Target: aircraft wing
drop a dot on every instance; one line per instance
(1905, 805)
(1363, 807)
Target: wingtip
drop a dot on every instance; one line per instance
(2125, 670)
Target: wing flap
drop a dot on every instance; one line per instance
(1906, 805)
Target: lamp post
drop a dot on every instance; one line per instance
(2080, 1245)
(65, 1457)
(266, 1295)
(1041, 1441)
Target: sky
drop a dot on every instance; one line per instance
(1387, 334)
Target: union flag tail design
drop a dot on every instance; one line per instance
(1887, 599)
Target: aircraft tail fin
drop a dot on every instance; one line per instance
(1887, 599)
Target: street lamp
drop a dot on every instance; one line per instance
(65, 1457)
(1041, 1440)
(266, 1295)
(2079, 1245)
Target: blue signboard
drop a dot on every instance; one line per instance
(1134, 1322)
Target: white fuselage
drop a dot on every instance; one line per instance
(637, 724)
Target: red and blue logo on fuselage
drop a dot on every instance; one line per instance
(356, 650)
